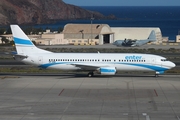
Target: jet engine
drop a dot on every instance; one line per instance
(107, 70)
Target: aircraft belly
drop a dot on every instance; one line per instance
(133, 67)
(94, 67)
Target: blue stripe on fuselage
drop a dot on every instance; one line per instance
(152, 67)
(22, 41)
(51, 64)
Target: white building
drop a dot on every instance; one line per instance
(178, 38)
(54, 39)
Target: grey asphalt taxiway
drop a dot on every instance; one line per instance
(69, 97)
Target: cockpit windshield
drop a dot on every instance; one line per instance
(164, 60)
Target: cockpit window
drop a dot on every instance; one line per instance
(163, 59)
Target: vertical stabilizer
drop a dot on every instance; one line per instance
(152, 36)
(23, 44)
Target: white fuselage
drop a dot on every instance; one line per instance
(121, 61)
(103, 63)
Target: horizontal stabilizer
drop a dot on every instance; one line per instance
(23, 56)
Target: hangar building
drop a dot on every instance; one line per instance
(93, 34)
(84, 34)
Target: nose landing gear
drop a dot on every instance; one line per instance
(158, 73)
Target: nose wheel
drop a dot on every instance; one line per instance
(156, 75)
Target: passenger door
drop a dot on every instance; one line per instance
(153, 60)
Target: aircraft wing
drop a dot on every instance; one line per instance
(88, 66)
(141, 42)
(118, 42)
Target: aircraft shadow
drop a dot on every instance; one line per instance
(72, 75)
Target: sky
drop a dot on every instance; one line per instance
(123, 2)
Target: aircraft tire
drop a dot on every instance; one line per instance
(156, 75)
(90, 74)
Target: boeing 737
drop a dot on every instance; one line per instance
(133, 43)
(103, 63)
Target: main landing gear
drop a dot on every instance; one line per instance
(90, 74)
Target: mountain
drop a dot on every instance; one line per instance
(41, 11)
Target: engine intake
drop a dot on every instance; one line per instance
(107, 70)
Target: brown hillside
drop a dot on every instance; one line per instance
(41, 11)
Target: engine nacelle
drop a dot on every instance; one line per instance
(107, 70)
(159, 72)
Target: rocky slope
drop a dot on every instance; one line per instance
(41, 11)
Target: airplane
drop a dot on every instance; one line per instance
(133, 43)
(102, 63)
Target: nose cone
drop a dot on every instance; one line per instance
(172, 65)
